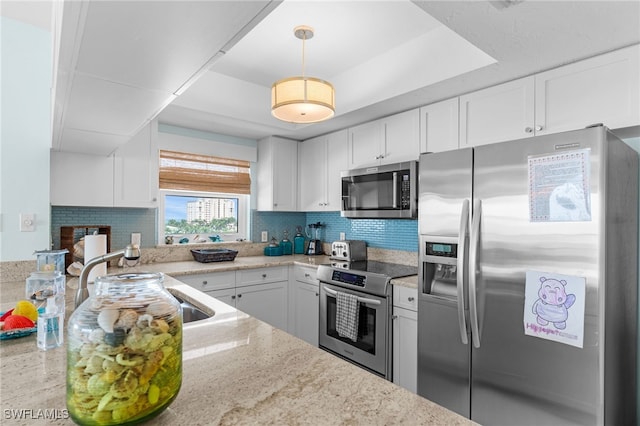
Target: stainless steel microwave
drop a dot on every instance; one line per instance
(389, 191)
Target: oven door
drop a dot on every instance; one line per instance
(372, 347)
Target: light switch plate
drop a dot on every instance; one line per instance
(27, 222)
(264, 237)
(342, 236)
(136, 238)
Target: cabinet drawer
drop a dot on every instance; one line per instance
(405, 297)
(262, 275)
(210, 281)
(307, 275)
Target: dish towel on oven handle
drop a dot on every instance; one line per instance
(347, 315)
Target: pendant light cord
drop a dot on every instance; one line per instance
(304, 38)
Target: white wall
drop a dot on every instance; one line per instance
(25, 137)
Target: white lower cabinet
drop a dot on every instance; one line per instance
(259, 292)
(267, 302)
(304, 304)
(405, 337)
(227, 295)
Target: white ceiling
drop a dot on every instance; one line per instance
(209, 65)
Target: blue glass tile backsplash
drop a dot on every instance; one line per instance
(388, 234)
(123, 222)
(391, 234)
(275, 223)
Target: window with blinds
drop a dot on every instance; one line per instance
(203, 198)
(193, 172)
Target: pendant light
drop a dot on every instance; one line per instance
(302, 99)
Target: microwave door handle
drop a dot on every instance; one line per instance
(395, 190)
(460, 275)
(360, 299)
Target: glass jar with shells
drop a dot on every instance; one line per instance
(124, 351)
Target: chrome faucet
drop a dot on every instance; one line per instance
(130, 252)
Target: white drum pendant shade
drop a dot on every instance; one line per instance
(302, 100)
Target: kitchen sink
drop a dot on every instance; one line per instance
(190, 313)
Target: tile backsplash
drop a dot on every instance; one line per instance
(391, 234)
(123, 222)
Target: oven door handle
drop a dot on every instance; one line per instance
(360, 299)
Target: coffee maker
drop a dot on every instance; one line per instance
(315, 245)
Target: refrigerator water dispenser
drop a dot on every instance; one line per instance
(441, 279)
(440, 269)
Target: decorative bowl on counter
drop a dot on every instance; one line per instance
(17, 332)
(213, 255)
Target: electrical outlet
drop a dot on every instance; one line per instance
(136, 238)
(343, 236)
(265, 236)
(27, 222)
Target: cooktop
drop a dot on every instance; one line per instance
(391, 270)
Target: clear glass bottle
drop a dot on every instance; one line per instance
(46, 291)
(124, 351)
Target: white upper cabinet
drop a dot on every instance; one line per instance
(497, 114)
(389, 140)
(604, 89)
(337, 162)
(321, 161)
(127, 178)
(365, 144)
(81, 180)
(439, 126)
(277, 174)
(136, 170)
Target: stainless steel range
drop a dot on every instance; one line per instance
(369, 281)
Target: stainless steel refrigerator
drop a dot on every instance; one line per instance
(527, 309)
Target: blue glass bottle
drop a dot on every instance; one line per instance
(287, 246)
(298, 241)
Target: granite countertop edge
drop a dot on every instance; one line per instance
(236, 370)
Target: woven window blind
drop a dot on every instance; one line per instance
(193, 172)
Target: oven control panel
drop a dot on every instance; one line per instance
(349, 278)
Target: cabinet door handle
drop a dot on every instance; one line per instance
(264, 275)
(205, 282)
(411, 299)
(239, 296)
(394, 317)
(306, 275)
(233, 297)
(538, 128)
(317, 294)
(528, 129)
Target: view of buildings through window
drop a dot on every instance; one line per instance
(200, 215)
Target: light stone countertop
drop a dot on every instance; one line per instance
(236, 370)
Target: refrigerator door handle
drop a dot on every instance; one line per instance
(462, 260)
(473, 264)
